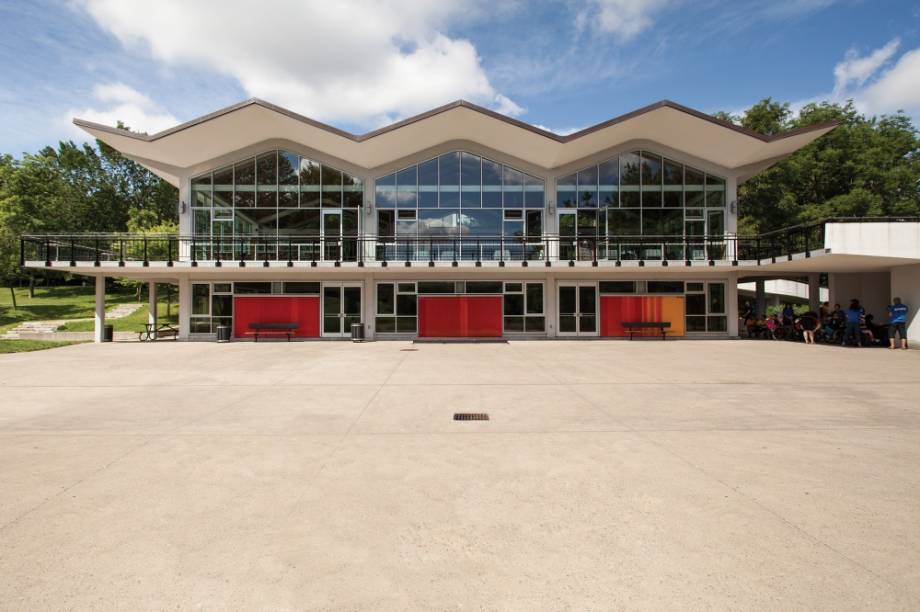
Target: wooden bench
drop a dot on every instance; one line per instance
(634, 326)
(273, 329)
(151, 332)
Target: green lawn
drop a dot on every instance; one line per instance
(54, 303)
(23, 346)
(133, 322)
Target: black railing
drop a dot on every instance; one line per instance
(248, 250)
(256, 250)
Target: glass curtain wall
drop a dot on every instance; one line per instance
(625, 207)
(280, 197)
(424, 209)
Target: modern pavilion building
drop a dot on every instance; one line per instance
(461, 222)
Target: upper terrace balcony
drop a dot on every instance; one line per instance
(170, 250)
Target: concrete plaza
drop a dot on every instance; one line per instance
(321, 475)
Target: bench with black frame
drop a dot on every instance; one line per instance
(272, 329)
(156, 332)
(634, 326)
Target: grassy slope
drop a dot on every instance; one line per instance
(74, 303)
(133, 322)
(53, 303)
(22, 346)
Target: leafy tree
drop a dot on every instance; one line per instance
(864, 167)
(727, 117)
(767, 117)
(74, 188)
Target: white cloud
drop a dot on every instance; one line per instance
(507, 106)
(875, 86)
(122, 103)
(623, 18)
(359, 61)
(560, 131)
(856, 69)
(121, 93)
(794, 8)
(896, 89)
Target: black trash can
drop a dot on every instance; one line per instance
(357, 332)
(223, 333)
(108, 332)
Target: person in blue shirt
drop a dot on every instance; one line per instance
(788, 315)
(897, 319)
(854, 315)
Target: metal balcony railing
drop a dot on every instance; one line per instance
(144, 249)
(172, 248)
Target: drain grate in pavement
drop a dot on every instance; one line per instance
(408, 350)
(471, 416)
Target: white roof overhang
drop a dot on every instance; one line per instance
(170, 152)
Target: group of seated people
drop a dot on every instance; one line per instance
(852, 326)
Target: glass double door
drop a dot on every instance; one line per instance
(578, 309)
(341, 308)
(339, 235)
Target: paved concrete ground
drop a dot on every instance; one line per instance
(643, 475)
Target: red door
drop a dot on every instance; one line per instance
(460, 316)
(276, 309)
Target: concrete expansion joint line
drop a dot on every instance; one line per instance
(644, 434)
(69, 487)
(308, 483)
(147, 439)
(808, 535)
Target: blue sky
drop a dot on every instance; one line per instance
(358, 64)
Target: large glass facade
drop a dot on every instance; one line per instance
(458, 206)
(426, 206)
(618, 208)
(275, 194)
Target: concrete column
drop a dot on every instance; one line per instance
(152, 303)
(185, 218)
(814, 292)
(760, 296)
(549, 305)
(731, 303)
(99, 313)
(185, 307)
(369, 306)
(731, 205)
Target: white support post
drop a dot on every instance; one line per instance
(152, 304)
(814, 292)
(731, 298)
(369, 306)
(99, 314)
(760, 293)
(550, 303)
(185, 307)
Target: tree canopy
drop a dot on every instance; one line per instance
(78, 188)
(867, 166)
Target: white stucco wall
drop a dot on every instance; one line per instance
(876, 239)
(905, 284)
(872, 289)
